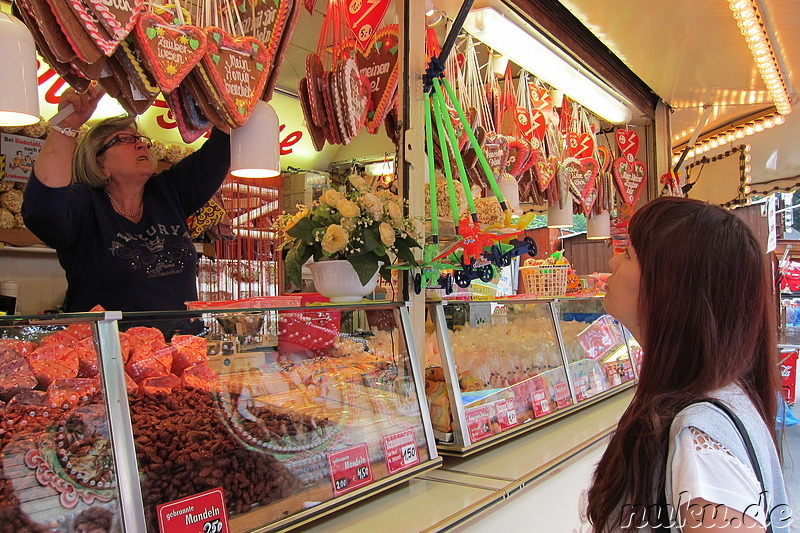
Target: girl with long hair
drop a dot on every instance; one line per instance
(694, 288)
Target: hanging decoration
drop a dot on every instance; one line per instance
(630, 173)
(363, 18)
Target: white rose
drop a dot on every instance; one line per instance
(357, 182)
(394, 210)
(335, 239)
(373, 205)
(347, 208)
(387, 234)
(331, 197)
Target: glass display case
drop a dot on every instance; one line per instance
(261, 418)
(497, 368)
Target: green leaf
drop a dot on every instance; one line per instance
(150, 32)
(216, 36)
(365, 266)
(215, 59)
(194, 43)
(378, 45)
(298, 255)
(393, 50)
(303, 230)
(404, 252)
(259, 66)
(372, 238)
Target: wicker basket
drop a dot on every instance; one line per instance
(545, 281)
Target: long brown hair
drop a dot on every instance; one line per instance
(707, 319)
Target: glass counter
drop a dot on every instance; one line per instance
(497, 368)
(261, 418)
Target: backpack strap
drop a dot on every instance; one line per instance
(661, 527)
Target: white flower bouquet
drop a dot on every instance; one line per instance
(368, 229)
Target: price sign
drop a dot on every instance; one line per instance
(506, 413)
(350, 469)
(541, 403)
(478, 424)
(400, 450)
(200, 513)
(562, 395)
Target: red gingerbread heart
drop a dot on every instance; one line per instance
(378, 62)
(363, 17)
(628, 142)
(580, 145)
(581, 175)
(236, 69)
(604, 158)
(630, 178)
(519, 153)
(266, 21)
(523, 120)
(169, 51)
(496, 148)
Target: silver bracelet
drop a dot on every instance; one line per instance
(69, 132)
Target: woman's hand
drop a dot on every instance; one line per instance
(83, 104)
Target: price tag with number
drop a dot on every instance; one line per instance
(350, 469)
(562, 395)
(200, 513)
(506, 413)
(400, 450)
(540, 402)
(580, 387)
(478, 423)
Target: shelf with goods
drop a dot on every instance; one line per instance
(269, 417)
(495, 369)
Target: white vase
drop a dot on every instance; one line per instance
(339, 281)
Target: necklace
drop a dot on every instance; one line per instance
(120, 211)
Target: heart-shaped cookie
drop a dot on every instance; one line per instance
(314, 70)
(378, 62)
(604, 158)
(352, 89)
(236, 67)
(265, 20)
(545, 171)
(519, 152)
(580, 145)
(169, 51)
(316, 132)
(630, 178)
(540, 100)
(363, 17)
(188, 132)
(628, 142)
(581, 175)
(107, 25)
(523, 121)
(280, 53)
(495, 148)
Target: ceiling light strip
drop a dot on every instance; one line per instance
(753, 29)
(734, 133)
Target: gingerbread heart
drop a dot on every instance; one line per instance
(540, 100)
(352, 92)
(581, 175)
(522, 118)
(236, 68)
(107, 24)
(630, 178)
(604, 158)
(266, 21)
(580, 145)
(496, 148)
(189, 133)
(316, 132)
(169, 51)
(363, 17)
(628, 142)
(378, 62)
(314, 70)
(545, 171)
(519, 152)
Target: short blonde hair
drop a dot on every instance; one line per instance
(85, 167)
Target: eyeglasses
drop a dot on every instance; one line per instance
(125, 138)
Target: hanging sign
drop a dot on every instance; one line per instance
(200, 513)
(363, 17)
(20, 155)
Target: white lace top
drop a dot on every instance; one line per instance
(704, 468)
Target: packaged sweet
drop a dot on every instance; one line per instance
(54, 362)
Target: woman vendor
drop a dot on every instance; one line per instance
(120, 229)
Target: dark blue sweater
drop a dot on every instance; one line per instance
(148, 265)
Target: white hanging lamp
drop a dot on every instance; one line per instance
(255, 147)
(19, 99)
(598, 226)
(559, 217)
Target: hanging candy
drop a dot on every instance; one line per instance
(630, 174)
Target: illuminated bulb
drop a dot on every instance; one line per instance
(747, 189)
(747, 178)
(747, 147)
(758, 126)
(706, 148)
(675, 159)
(713, 143)
(748, 130)
(747, 169)
(779, 120)
(747, 158)
(768, 122)
(730, 136)
(690, 153)
(739, 133)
